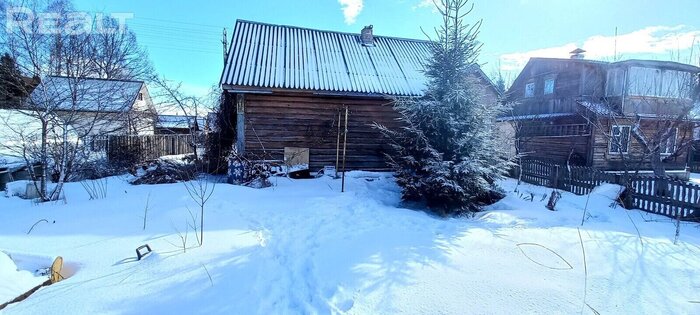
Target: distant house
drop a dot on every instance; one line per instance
(288, 87)
(178, 124)
(97, 107)
(584, 112)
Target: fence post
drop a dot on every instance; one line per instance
(555, 178)
(628, 200)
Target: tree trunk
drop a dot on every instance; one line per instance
(44, 160)
(656, 164)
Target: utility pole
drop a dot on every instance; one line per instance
(615, 52)
(224, 41)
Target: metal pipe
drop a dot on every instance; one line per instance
(337, 147)
(345, 143)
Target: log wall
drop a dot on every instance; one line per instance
(275, 121)
(603, 159)
(556, 148)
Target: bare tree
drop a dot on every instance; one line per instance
(200, 188)
(66, 101)
(119, 56)
(656, 110)
(170, 97)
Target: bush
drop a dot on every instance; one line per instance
(247, 173)
(163, 172)
(221, 137)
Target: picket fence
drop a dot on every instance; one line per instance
(661, 195)
(146, 147)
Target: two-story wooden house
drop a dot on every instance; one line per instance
(612, 116)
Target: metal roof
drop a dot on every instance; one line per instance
(179, 121)
(286, 57)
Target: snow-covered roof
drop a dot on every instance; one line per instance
(536, 116)
(178, 121)
(597, 108)
(96, 95)
(22, 129)
(287, 57)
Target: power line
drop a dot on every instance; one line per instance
(178, 22)
(177, 42)
(148, 46)
(170, 28)
(179, 39)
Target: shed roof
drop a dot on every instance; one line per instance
(286, 57)
(658, 64)
(179, 121)
(95, 95)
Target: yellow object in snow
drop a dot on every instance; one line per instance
(56, 269)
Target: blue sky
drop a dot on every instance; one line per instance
(184, 37)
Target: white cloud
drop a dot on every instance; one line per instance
(654, 40)
(427, 4)
(515, 61)
(351, 9)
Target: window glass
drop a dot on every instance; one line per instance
(676, 84)
(549, 86)
(669, 146)
(615, 81)
(619, 139)
(530, 89)
(644, 81)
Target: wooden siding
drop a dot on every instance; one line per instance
(558, 149)
(273, 122)
(573, 80)
(602, 159)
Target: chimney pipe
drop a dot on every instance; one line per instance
(577, 53)
(366, 36)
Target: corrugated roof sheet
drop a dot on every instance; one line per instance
(97, 95)
(179, 121)
(286, 57)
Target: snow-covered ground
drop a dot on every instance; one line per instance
(302, 247)
(695, 178)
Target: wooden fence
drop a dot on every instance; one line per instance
(660, 195)
(539, 130)
(694, 158)
(147, 147)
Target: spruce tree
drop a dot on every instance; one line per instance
(11, 84)
(447, 153)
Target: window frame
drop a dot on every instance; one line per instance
(665, 152)
(544, 88)
(534, 87)
(612, 136)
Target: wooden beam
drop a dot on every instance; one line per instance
(240, 123)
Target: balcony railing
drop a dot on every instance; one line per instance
(567, 130)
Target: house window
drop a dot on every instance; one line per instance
(530, 89)
(615, 82)
(644, 81)
(549, 86)
(669, 146)
(140, 97)
(620, 139)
